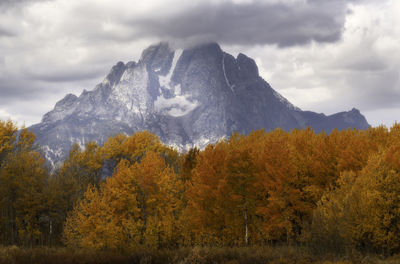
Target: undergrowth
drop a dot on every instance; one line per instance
(195, 255)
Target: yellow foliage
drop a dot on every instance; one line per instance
(364, 210)
(23, 184)
(140, 202)
(92, 225)
(338, 190)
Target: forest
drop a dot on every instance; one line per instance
(329, 194)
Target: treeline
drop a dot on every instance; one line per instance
(338, 192)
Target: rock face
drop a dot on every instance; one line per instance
(189, 97)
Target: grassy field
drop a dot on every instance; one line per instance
(252, 255)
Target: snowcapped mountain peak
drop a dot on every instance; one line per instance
(115, 74)
(190, 97)
(158, 57)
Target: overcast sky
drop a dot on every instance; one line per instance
(322, 55)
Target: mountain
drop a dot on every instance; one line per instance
(189, 97)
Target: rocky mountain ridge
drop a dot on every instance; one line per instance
(189, 97)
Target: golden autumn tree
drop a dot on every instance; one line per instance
(208, 210)
(92, 224)
(245, 187)
(246, 190)
(8, 135)
(68, 185)
(227, 192)
(392, 156)
(378, 137)
(132, 148)
(363, 211)
(80, 169)
(377, 219)
(23, 181)
(356, 149)
(279, 205)
(283, 169)
(146, 198)
(330, 225)
(143, 204)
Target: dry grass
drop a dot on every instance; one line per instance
(195, 255)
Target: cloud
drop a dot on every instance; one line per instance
(277, 22)
(5, 33)
(250, 23)
(13, 3)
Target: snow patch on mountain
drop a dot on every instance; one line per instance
(177, 106)
(226, 78)
(165, 81)
(203, 141)
(200, 143)
(77, 140)
(177, 89)
(52, 154)
(47, 153)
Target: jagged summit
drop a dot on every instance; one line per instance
(190, 97)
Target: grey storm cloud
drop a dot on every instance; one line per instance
(12, 3)
(6, 33)
(66, 75)
(11, 89)
(259, 22)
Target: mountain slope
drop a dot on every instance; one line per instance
(187, 97)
